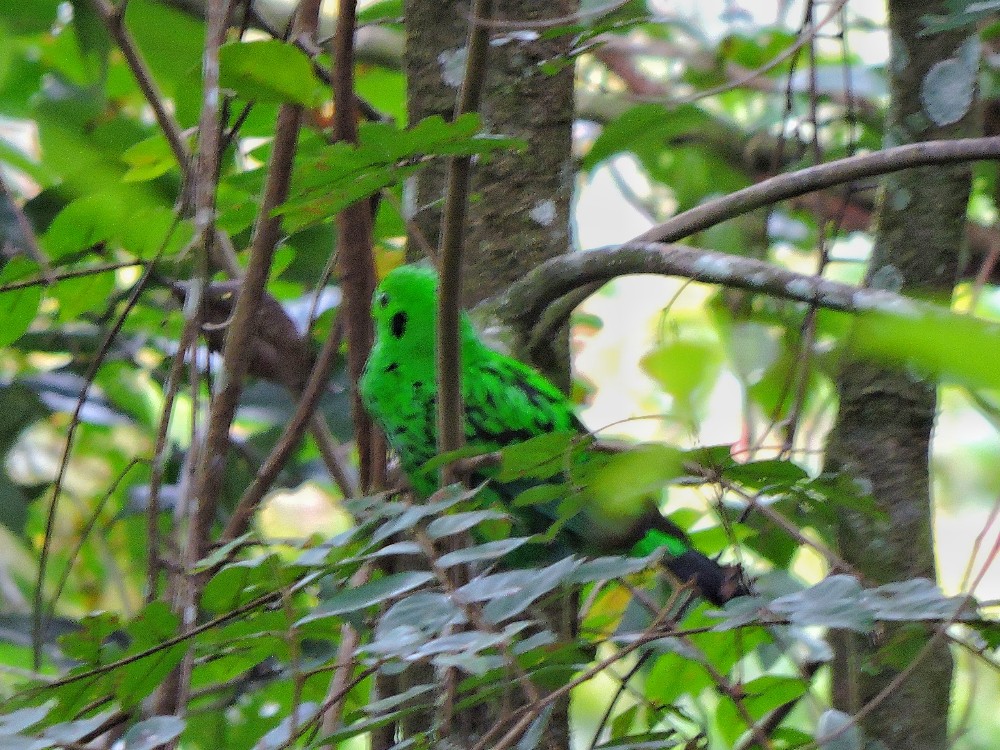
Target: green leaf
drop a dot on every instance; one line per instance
(132, 391)
(764, 694)
(534, 586)
(30, 17)
(674, 675)
(83, 294)
(342, 174)
(645, 122)
(152, 733)
(685, 369)
(766, 473)
(366, 725)
(82, 224)
(12, 156)
(86, 644)
(619, 486)
(485, 551)
(375, 592)
(442, 459)
(611, 568)
(153, 625)
(92, 38)
(931, 340)
(69, 732)
(532, 737)
(138, 680)
(541, 494)
(642, 127)
(834, 602)
(20, 407)
(269, 71)
(13, 505)
(156, 231)
(539, 458)
(410, 515)
(17, 311)
(17, 721)
(916, 599)
(148, 159)
(175, 58)
(486, 587)
(281, 735)
(622, 723)
(645, 741)
(459, 522)
(239, 582)
(380, 11)
(427, 611)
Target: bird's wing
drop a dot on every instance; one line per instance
(507, 402)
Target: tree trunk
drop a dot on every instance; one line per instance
(882, 434)
(519, 215)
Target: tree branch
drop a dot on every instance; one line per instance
(355, 260)
(785, 186)
(528, 299)
(449, 346)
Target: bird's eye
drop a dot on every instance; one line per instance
(398, 324)
(383, 299)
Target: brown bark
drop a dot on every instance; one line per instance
(883, 430)
(519, 213)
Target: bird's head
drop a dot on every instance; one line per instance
(404, 306)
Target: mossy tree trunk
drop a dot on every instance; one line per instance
(883, 431)
(519, 214)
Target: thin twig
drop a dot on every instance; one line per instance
(791, 51)
(354, 254)
(39, 614)
(530, 712)
(114, 22)
(260, 601)
(449, 350)
(235, 352)
(88, 527)
(74, 273)
(189, 336)
(344, 663)
(304, 415)
(31, 247)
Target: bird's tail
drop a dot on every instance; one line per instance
(717, 583)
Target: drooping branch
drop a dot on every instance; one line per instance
(528, 299)
(114, 21)
(650, 253)
(793, 184)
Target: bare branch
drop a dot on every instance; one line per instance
(356, 263)
(552, 280)
(785, 186)
(449, 364)
(114, 21)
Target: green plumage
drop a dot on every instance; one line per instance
(506, 402)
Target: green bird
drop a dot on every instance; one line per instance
(506, 402)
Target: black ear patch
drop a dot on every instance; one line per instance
(398, 324)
